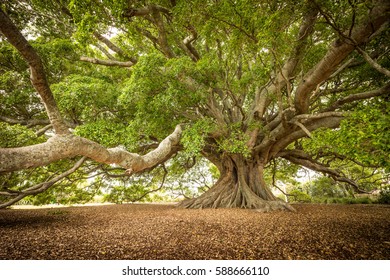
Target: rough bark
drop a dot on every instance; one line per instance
(241, 185)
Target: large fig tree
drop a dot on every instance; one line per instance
(237, 82)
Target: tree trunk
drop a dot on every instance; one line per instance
(240, 185)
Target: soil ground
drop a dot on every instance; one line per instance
(144, 231)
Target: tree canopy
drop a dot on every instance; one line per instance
(112, 88)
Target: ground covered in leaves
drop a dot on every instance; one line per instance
(141, 231)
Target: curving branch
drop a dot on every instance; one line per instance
(338, 51)
(373, 63)
(358, 96)
(37, 71)
(69, 146)
(39, 188)
(187, 44)
(299, 157)
(280, 140)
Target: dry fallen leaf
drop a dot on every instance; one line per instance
(165, 232)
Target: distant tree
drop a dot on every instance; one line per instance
(240, 83)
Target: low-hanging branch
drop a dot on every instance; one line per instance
(65, 145)
(299, 157)
(39, 188)
(68, 146)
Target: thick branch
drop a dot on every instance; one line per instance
(38, 76)
(337, 52)
(288, 70)
(113, 47)
(281, 140)
(68, 146)
(107, 62)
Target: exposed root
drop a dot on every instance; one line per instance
(241, 185)
(225, 197)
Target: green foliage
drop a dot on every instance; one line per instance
(106, 132)
(363, 136)
(299, 196)
(348, 200)
(368, 129)
(325, 187)
(58, 55)
(133, 193)
(235, 142)
(283, 171)
(17, 136)
(193, 137)
(85, 98)
(384, 196)
(241, 45)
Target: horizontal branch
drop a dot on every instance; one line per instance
(318, 116)
(282, 140)
(299, 157)
(69, 146)
(106, 62)
(28, 123)
(33, 122)
(359, 96)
